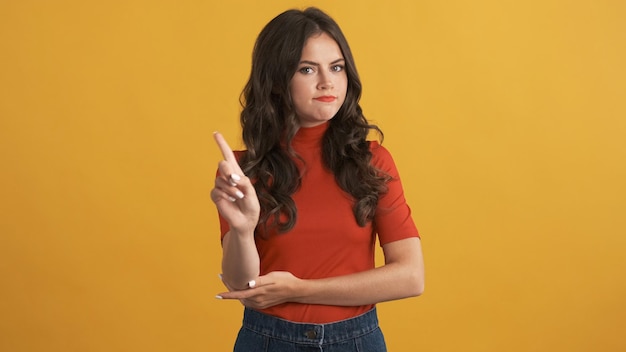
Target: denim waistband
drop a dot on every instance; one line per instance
(315, 334)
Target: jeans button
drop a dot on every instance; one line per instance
(311, 334)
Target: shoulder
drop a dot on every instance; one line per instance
(377, 149)
(381, 157)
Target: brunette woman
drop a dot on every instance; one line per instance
(301, 207)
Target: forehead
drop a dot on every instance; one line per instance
(322, 46)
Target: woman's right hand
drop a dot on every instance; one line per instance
(233, 194)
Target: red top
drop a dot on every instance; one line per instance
(326, 241)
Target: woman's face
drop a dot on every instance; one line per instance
(318, 88)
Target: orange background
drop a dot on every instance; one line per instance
(507, 121)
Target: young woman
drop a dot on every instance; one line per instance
(301, 207)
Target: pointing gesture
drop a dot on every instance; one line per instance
(234, 194)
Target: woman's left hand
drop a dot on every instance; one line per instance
(268, 290)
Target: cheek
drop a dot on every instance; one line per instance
(344, 85)
(345, 89)
(298, 91)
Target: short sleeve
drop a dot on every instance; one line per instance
(392, 220)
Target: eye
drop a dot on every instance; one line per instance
(338, 68)
(306, 70)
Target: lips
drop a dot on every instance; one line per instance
(326, 99)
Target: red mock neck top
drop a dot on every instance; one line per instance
(326, 240)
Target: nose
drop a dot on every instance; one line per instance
(325, 81)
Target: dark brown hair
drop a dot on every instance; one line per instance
(269, 123)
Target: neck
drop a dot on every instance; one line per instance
(308, 136)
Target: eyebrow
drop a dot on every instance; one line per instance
(313, 63)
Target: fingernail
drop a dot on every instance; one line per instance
(233, 179)
(239, 194)
(231, 199)
(218, 297)
(220, 276)
(251, 283)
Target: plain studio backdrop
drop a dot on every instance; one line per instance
(507, 120)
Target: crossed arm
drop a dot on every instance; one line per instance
(402, 275)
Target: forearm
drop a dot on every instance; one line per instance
(240, 260)
(390, 282)
(402, 276)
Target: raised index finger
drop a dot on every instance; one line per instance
(227, 152)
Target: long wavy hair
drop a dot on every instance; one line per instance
(269, 123)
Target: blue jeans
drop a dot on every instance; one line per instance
(264, 333)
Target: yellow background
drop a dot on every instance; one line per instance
(507, 120)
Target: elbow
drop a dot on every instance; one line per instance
(420, 289)
(233, 287)
(416, 283)
(417, 288)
